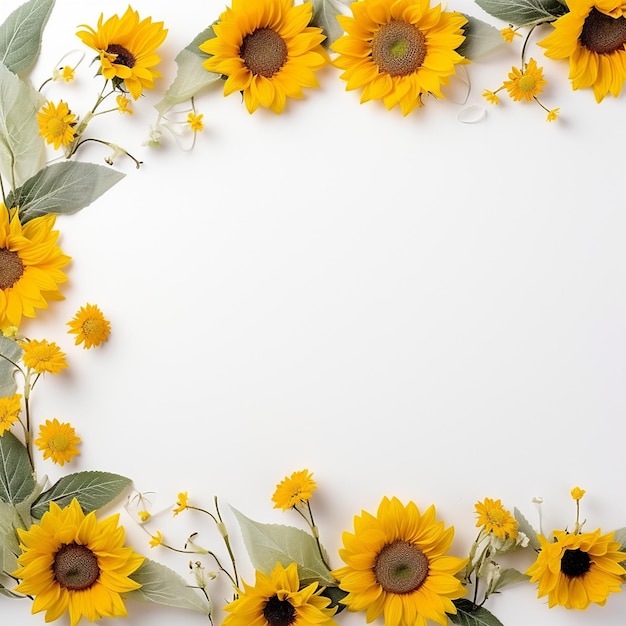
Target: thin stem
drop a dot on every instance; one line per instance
(227, 542)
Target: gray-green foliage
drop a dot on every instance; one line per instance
(11, 354)
(162, 585)
(467, 614)
(62, 188)
(20, 34)
(480, 38)
(523, 12)
(524, 526)
(325, 14)
(509, 576)
(16, 474)
(269, 544)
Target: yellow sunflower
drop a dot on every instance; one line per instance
(293, 490)
(277, 600)
(90, 326)
(73, 562)
(592, 36)
(527, 83)
(43, 356)
(496, 519)
(57, 441)
(30, 266)
(267, 50)
(398, 50)
(127, 48)
(10, 407)
(575, 570)
(397, 566)
(56, 124)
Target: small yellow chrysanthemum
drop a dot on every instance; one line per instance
(57, 441)
(491, 97)
(577, 493)
(10, 407)
(90, 326)
(144, 516)
(553, 115)
(123, 104)
(10, 332)
(508, 34)
(43, 356)
(575, 570)
(294, 490)
(526, 84)
(181, 503)
(195, 122)
(278, 600)
(496, 519)
(56, 124)
(156, 539)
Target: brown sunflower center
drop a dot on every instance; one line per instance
(11, 268)
(75, 567)
(401, 567)
(124, 55)
(399, 48)
(575, 563)
(263, 52)
(602, 33)
(279, 612)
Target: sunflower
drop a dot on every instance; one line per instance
(397, 566)
(127, 48)
(266, 50)
(525, 84)
(56, 124)
(575, 570)
(496, 519)
(398, 50)
(30, 266)
(73, 562)
(293, 490)
(57, 441)
(10, 407)
(277, 600)
(43, 356)
(90, 326)
(592, 36)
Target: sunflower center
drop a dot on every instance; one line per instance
(279, 612)
(527, 83)
(75, 567)
(602, 33)
(401, 567)
(575, 563)
(123, 55)
(399, 48)
(263, 52)
(11, 268)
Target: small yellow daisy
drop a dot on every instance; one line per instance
(10, 407)
(57, 441)
(293, 490)
(56, 124)
(43, 356)
(195, 122)
(90, 326)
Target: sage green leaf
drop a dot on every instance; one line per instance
(24, 507)
(162, 585)
(480, 38)
(510, 576)
(468, 614)
(63, 188)
(20, 34)
(620, 535)
(523, 12)
(93, 490)
(269, 544)
(524, 526)
(325, 14)
(8, 593)
(16, 474)
(191, 77)
(10, 353)
(9, 542)
(22, 149)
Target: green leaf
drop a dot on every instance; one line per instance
(336, 595)
(325, 14)
(93, 490)
(162, 585)
(9, 543)
(268, 544)
(523, 12)
(480, 38)
(63, 188)
(468, 614)
(20, 35)
(620, 535)
(22, 149)
(16, 474)
(12, 353)
(191, 77)
(509, 576)
(524, 526)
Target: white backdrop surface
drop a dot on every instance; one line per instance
(409, 306)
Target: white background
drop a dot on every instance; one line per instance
(413, 306)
